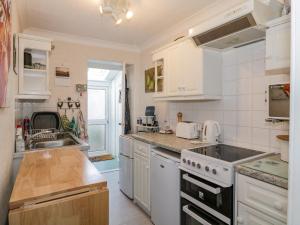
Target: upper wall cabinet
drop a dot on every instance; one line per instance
(190, 72)
(278, 44)
(33, 67)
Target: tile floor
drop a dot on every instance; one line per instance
(123, 211)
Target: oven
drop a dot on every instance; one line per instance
(204, 202)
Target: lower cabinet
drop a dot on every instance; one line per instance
(142, 175)
(249, 216)
(260, 203)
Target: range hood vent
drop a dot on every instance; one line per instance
(226, 29)
(242, 24)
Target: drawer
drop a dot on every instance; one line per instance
(264, 197)
(142, 148)
(249, 216)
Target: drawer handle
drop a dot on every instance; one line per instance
(278, 206)
(201, 185)
(240, 220)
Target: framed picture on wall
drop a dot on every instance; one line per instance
(5, 48)
(150, 80)
(62, 76)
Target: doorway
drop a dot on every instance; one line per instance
(104, 111)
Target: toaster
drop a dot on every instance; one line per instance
(187, 130)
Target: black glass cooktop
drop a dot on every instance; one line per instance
(226, 152)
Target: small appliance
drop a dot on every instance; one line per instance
(211, 132)
(187, 130)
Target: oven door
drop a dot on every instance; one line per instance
(192, 215)
(216, 197)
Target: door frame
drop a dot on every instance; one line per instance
(294, 153)
(106, 86)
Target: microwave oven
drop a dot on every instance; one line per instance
(279, 101)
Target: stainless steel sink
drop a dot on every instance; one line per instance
(53, 144)
(62, 139)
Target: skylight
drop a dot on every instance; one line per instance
(95, 74)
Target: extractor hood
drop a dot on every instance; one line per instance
(238, 26)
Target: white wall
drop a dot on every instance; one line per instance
(243, 110)
(76, 57)
(7, 135)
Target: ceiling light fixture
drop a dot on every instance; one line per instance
(118, 9)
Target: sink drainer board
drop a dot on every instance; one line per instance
(51, 136)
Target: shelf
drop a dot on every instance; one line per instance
(148, 127)
(35, 70)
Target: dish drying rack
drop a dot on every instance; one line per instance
(52, 135)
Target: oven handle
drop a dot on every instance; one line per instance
(200, 184)
(194, 215)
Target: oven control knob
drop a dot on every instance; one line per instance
(214, 171)
(198, 165)
(193, 164)
(189, 162)
(207, 169)
(184, 160)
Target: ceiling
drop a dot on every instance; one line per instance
(82, 18)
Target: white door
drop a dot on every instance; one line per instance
(164, 174)
(142, 181)
(126, 175)
(175, 72)
(98, 128)
(249, 216)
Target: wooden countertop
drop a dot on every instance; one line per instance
(53, 172)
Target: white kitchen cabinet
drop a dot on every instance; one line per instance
(263, 201)
(142, 175)
(249, 216)
(278, 44)
(191, 72)
(33, 71)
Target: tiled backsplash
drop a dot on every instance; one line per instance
(243, 109)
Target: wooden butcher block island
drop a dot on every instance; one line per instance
(58, 187)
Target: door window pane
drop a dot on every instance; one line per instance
(96, 104)
(96, 137)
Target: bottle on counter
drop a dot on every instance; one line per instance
(20, 143)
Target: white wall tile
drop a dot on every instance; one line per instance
(230, 118)
(259, 119)
(244, 102)
(230, 102)
(259, 85)
(244, 135)
(244, 118)
(244, 86)
(245, 70)
(259, 102)
(230, 72)
(258, 68)
(229, 87)
(260, 137)
(243, 110)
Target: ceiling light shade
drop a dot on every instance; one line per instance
(118, 9)
(129, 14)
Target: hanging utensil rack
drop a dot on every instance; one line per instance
(68, 104)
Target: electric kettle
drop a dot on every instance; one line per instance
(211, 132)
